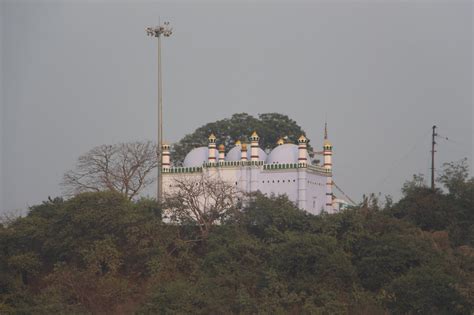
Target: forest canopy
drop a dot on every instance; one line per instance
(101, 253)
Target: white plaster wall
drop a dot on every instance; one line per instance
(268, 182)
(279, 182)
(315, 193)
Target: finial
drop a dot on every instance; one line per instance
(302, 139)
(325, 130)
(280, 141)
(254, 134)
(238, 142)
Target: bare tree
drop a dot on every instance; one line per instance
(123, 167)
(202, 200)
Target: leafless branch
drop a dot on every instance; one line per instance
(200, 199)
(123, 167)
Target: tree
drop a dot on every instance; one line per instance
(270, 127)
(123, 167)
(202, 200)
(426, 290)
(455, 176)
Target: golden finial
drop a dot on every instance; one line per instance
(238, 142)
(280, 141)
(302, 139)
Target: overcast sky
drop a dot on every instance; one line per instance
(83, 73)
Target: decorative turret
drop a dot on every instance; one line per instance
(327, 153)
(327, 150)
(243, 156)
(302, 150)
(254, 146)
(212, 148)
(280, 141)
(165, 157)
(221, 153)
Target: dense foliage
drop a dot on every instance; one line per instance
(99, 253)
(270, 127)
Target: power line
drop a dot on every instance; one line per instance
(345, 195)
(396, 164)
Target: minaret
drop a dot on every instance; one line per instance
(302, 150)
(243, 150)
(165, 159)
(280, 141)
(221, 153)
(244, 185)
(254, 146)
(327, 152)
(302, 162)
(212, 149)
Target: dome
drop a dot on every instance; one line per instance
(196, 157)
(285, 153)
(235, 153)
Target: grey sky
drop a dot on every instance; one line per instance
(80, 74)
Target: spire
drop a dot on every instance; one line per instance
(327, 143)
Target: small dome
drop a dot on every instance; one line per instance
(235, 154)
(285, 153)
(196, 157)
(327, 142)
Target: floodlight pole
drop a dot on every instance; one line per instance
(157, 31)
(433, 143)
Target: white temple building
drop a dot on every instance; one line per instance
(287, 169)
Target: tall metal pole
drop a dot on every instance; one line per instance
(159, 181)
(157, 32)
(433, 142)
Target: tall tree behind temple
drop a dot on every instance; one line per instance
(270, 128)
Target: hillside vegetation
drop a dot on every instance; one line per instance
(100, 253)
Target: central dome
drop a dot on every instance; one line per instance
(196, 157)
(285, 153)
(235, 154)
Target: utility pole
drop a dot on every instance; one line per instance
(157, 31)
(433, 142)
